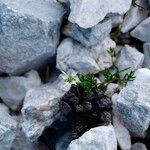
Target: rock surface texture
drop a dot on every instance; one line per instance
(142, 31)
(74, 74)
(41, 108)
(28, 36)
(90, 36)
(129, 57)
(8, 128)
(99, 138)
(87, 14)
(133, 103)
(71, 54)
(135, 15)
(13, 89)
(146, 48)
(138, 146)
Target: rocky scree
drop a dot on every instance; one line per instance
(107, 39)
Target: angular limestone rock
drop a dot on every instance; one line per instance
(142, 31)
(99, 138)
(90, 36)
(8, 128)
(72, 55)
(87, 14)
(129, 57)
(135, 15)
(133, 103)
(13, 89)
(41, 108)
(29, 33)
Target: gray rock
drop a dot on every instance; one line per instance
(99, 138)
(13, 89)
(41, 108)
(129, 57)
(87, 14)
(146, 48)
(22, 143)
(142, 31)
(116, 19)
(90, 36)
(138, 146)
(122, 134)
(111, 89)
(135, 16)
(72, 55)
(133, 103)
(8, 127)
(28, 37)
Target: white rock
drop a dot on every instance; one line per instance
(129, 57)
(138, 146)
(87, 14)
(90, 36)
(122, 134)
(111, 89)
(99, 138)
(114, 99)
(13, 89)
(72, 55)
(8, 127)
(29, 34)
(133, 103)
(142, 31)
(41, 108)
(146, 48)
(135, 16)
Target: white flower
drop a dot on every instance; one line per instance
(70, 77)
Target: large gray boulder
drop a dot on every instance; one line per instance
(133, 103)
(146, 48)
(8, 128)
(129, 57)
(99, 138)
(90, 36)
(41, 108)
(142, 31)
(13, 89)
(29, 33)
(73, 55)
(87, 14)
(135, 15)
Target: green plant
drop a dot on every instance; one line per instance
(88, 84)
(111, 77)
(113, 54)
(134, 4)
(128, 77)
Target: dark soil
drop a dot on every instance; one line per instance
(85, 113)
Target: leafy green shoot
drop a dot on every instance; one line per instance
(128, 77)
(134, 4)
(112, 53)
(88, 83)
(115, 77)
